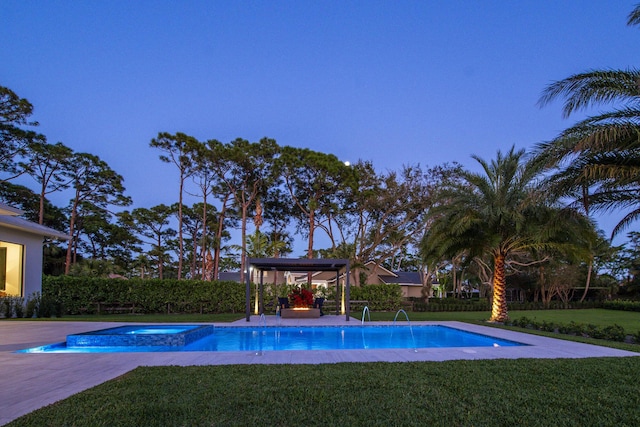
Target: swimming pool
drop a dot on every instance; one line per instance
(292, 338)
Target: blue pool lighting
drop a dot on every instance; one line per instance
(154, 338)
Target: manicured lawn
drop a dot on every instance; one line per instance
(567, 392)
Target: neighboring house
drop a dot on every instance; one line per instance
(410, 282)
(21, 252)
(229, 276)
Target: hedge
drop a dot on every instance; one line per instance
(379, 297)
(67, 295)
(611, 333)
(622, 305)
(78, 295)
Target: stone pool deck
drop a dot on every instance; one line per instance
(32, 381)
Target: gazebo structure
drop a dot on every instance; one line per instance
(296, 265)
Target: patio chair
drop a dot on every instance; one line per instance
(283, 302)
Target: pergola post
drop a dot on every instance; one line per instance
(338, 291)
(248, 291)
(348, 296)
(261, 300)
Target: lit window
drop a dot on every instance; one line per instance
(11, 268)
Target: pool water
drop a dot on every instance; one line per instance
(307, 338)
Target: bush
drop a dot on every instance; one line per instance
(610, 333)
(451, 304)
(12, 306)
(380, 297)
(6, 307)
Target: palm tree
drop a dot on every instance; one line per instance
(498, 213)
(599, 157)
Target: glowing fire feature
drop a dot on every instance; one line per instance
(300, 313)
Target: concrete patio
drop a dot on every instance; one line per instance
(36, 380)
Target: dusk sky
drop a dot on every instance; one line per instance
(394, 82)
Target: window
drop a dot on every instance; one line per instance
(11, 268)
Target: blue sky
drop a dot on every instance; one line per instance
(394, 82)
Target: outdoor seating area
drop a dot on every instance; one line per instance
(304, 304)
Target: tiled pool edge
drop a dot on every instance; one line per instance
(103, 338)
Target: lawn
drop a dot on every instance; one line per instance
(567, 392)
(629, 320)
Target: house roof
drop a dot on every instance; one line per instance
(408, 278)
(379, 269)
(17, 223)
(9, 210)
(231, 276)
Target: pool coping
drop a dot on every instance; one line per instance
(38, 380)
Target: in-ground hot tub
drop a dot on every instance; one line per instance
(141, 335)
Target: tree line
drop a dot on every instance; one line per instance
(240, 185)
(526, 215)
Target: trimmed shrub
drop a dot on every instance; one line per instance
(451, 304)
(380, 297)
(611, 333)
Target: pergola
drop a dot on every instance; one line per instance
(296, 265)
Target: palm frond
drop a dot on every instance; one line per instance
(625, 222)
(634, 16)
(595, 87)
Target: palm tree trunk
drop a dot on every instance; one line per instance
(586, 286)
(499, 305)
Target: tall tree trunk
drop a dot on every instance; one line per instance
(585, 204)
(180, 242)
(41, 207)
(194, 255)
(218, 245)
(160, 260)
(312, 229)
(499, 306)
(454, 273)
(204, 247)
(72, 223)
(243, 254)
(588, 282)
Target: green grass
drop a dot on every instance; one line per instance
(567, 392)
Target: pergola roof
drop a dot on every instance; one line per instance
(297, 264)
